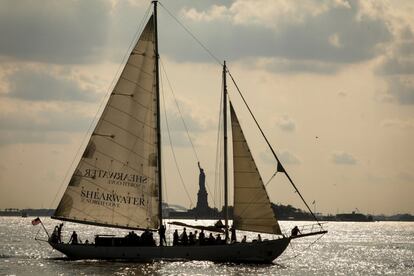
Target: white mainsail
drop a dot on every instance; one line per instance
(252, 207)
(115, 182)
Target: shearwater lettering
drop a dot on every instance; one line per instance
(110, 199)
(117, 178)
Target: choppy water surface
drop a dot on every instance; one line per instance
(356, 248)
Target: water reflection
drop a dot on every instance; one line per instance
(348, 249)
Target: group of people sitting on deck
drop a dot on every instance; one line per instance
(146, 239)
(192, 239)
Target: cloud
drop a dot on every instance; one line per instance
(213, 13)
(342, 94)
(401, 88)
(325, 33)
(402, 124)
(193, 122)
(385, 98)
(33, 137)
(285, 156)
(397, 68)
(287, 124)
(334, 41)
(406, 176)
(41, 125)
(53, 31)
(400, 61)
(288, 158)
(311, 36)
(44, 120)
(343, 158)
(288, 66)
(38, 85)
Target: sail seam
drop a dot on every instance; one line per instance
(133, 100)
(247, 187)
(130, 115)
(128, 132)
(252, 203)
(245, 172)
(244, 219)
(137, 84)
(113, 158)
(141, 70)
(96, 223)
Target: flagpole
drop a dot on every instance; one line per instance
(45, 229)
(37, 221)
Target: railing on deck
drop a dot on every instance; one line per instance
(308, 230)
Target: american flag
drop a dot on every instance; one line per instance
(36, 221)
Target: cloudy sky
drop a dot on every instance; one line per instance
(331, 82)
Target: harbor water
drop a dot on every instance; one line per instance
(349, 248)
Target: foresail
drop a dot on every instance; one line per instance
(252, 208)
(115, 182)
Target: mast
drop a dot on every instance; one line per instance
(226, 204)
(157, 90)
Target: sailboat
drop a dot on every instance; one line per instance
(117, 182)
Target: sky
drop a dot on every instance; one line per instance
(330, 82)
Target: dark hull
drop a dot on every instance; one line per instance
(254, 252)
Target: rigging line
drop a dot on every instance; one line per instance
(303, 251)
(171, 144)
(271, 148)
(267, 183)
(181, 116)
(179, 111)
(192, 35)
(107, 95)
(164, 188)
(218, 150)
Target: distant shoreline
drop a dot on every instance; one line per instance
(348, 217)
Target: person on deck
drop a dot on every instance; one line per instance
(244, 239)
(161, 232)
(175, 237)
(59, 232)
(132, 238)
(151, 240)
(191, 239)
(201, 237)
(54, 237)
(233, 238)
(74, 238)
(295, 231)
(259, 238)
(218, 239)
(184, 238)
(211, 239)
